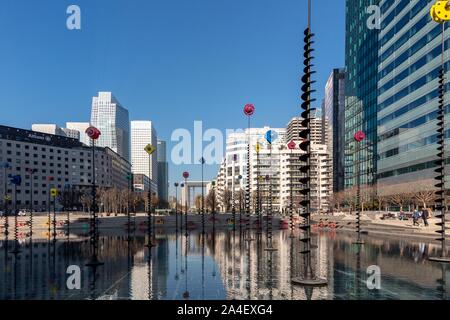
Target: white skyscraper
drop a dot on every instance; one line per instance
(81, 128)
(142, 134)
(113, 122)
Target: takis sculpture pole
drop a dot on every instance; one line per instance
(49, 187)
(202, 161)
(233, 200)
(31, 172)
(249, 110)
(291, 146)
(186, 195)
(440, 13)
(258, 195)
(309, 278)
(149, 149)
(359, 137)
(130, 182)
(94, 134)
(16, 181)
(270, 136)
(6, 198)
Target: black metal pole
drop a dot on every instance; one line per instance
(149, 209)
(203, 200)
(186, 208)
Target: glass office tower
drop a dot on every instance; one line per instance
(113, 122)
(409, 61)
(361, 55)
(333, 114)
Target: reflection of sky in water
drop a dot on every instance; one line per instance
(223, 268)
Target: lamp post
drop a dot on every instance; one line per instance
(249, 110)
(176, 184)
(359, 137)
(440, 13)
(93, 133)
(150, 150)
(291, 146)
(186, 192)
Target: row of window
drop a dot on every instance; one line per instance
(412, 87)
(410, 169)
(413, 124)
(412, 146)
(408, 34)
(411, 106)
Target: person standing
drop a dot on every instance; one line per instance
(416, 217)
(425, 216)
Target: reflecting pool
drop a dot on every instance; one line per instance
(220, 265)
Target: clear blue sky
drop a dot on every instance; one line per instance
(169, 61)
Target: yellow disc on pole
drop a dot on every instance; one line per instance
(53, 192)
(258, 147)
(440, 12)
(149, 149)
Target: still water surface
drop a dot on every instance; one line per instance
(219, 266)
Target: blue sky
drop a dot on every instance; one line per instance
(169, 61)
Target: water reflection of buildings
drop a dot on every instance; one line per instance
(270, 272)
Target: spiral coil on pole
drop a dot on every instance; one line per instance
(440, 13)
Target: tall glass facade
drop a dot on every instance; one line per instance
(333, 114)
(113, 121)
(361, 55)
(409, 60)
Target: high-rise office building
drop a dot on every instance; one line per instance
(361, 59)
(294, 128)
(142, 134)
(333, 115)
(163, 172)
(409, 62)
(81, 128)
(112, 120)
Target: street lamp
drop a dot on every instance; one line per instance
(249, 110)
(150, 150)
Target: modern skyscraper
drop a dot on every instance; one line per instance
(112, 120)
(142, 134)
(163, 172)
(81, 128)
(361, 59)
(409, 63)
(333, 114)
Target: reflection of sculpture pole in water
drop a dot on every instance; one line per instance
(249, 269)
(358, 273)
(176, 255)
(186, 244)
(203, 264)
(442, 283)
(150, 274)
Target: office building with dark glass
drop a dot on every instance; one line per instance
(361, 55)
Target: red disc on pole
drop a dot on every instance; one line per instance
(291, 145)
(249, 109)
(93, 133)
(360, 136)
(185, 174)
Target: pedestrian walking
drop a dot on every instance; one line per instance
(416, 217)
